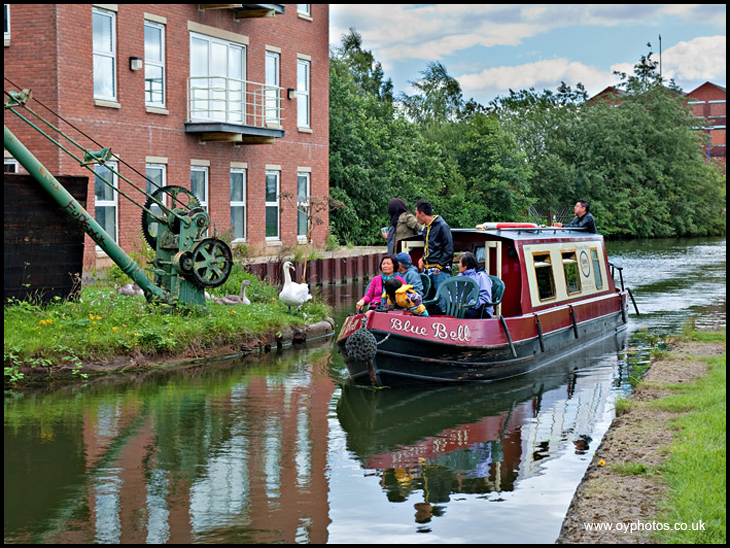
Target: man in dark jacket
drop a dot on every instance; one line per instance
(438, 253)
(583, 217)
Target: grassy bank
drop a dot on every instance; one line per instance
(659, 474)
(101, 325)
(695, 470)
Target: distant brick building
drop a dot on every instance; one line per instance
(708, 103)
(230, 101)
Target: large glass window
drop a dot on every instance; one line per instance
(154, 64)
(303, 105)
(105, 54)
(105, 198)
(238, 203)
(272, 205)
(217, 70)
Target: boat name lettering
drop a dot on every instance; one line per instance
(400, 325)
(461, 333)
(439, 330)
(352, 324)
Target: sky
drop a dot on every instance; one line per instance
(492, 48)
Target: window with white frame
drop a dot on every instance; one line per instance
(303, 67)
(217, 71)
(272, 87)
(11, 165)
(304, 9)
(199, 184)
(302, 204)
(154, 64)
(156, 178)
(104, 31)
(106, 198)
(6, 21)
(238, 203)
(272, 205)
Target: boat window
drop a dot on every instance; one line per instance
(544, 276)
(572, 275)
(480, 253)
(596, 268)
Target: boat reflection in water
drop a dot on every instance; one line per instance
(481, 438)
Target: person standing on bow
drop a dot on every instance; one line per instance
(438, 251)
(403, 223)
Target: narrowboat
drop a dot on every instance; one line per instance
(558, 295)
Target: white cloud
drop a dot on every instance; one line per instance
(404, 36)
(540, 75)
(430, 32)
(703, 58)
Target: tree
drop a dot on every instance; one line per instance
(375, 155)
(637, 159)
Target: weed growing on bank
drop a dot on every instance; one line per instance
(100, 324)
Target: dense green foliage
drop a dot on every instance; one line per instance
(637, 157)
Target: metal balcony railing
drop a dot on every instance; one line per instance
(233, 101)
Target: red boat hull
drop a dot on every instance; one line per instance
(442, 349)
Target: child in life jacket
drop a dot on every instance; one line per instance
(400, 295)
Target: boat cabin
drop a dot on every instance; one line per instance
(540, 267)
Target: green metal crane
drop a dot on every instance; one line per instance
(174, 224)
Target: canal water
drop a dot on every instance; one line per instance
(281, 448)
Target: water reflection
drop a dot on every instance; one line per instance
(236, 450)
(428, 446)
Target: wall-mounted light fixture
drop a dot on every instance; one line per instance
(291, 93)
(135, 63)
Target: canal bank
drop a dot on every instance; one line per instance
(629, 494)
(102, 331)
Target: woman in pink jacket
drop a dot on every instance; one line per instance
(374, 292)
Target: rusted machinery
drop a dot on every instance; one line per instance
(187, 260)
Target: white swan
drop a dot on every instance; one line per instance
(293, 294)
(236, 299)
(130, 290)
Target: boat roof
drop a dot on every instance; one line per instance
(519, 234)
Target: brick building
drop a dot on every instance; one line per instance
(708, 103)
(230, 101)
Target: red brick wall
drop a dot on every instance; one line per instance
(709, 104)
(51, 53)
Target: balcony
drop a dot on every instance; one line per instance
(231, 110)
(246, 11)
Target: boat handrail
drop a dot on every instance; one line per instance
(535, 230)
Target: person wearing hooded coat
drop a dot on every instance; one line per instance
(403, 224)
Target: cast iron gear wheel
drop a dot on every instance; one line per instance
(180, 198)
(212, 263)
(361, 345)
